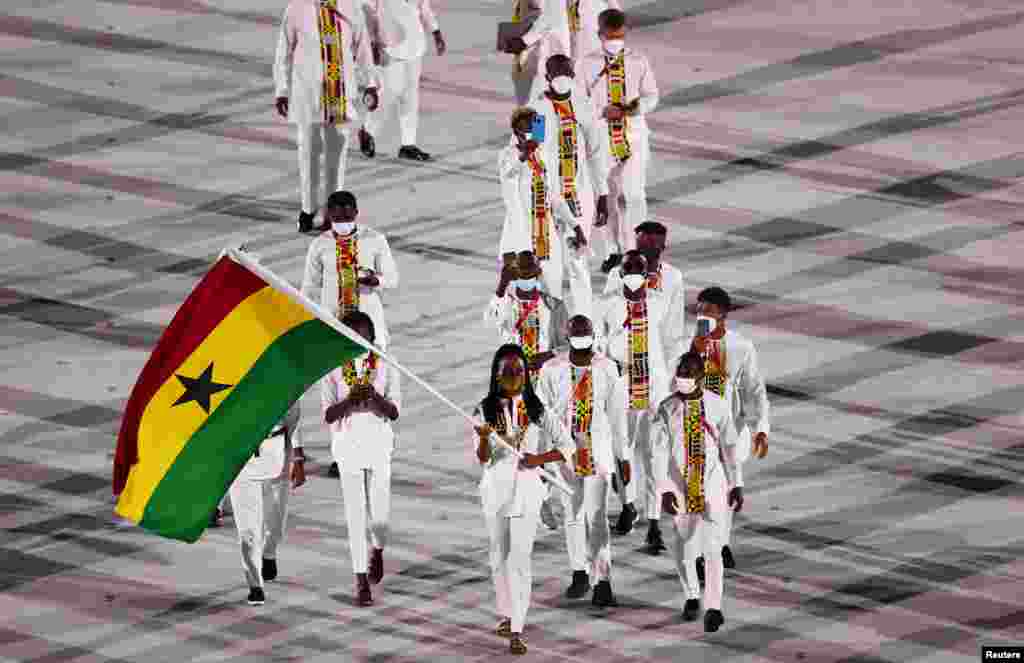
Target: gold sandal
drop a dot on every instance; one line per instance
(504, 628)
(518, 645)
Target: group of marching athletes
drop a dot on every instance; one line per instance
(614, 394)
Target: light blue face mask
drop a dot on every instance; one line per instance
(526, 285)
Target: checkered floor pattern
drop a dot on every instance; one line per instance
(851, 172)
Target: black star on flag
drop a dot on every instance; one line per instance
(200, 389)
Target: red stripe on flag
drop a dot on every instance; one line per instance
(223, 288)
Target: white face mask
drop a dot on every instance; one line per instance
(634, 281)
(705, 325)
(613, 46)
(685, 385)
(344, 228)
(581, 342)
(526, 285)
(561, 84)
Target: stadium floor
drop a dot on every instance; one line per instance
(852, 174)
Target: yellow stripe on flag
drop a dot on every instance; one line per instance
(233, 347)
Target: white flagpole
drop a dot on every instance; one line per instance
(281, 284)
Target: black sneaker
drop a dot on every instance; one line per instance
(256, 596)
(712, 620)
(517, 645)
(727, 559)
(413, 153)
(306, 222)
(217, 518)
(376, 571)
(269, 569)
(366, 144)
(691, 609)
(363, 595)
(700, 570)
(626, 519)
(333, 471)
(580, 585)
(611, 262)
(603, 596)
(655, 544)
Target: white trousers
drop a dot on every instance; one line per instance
(367, 495)
(260, 508)
(401, 93)
(743, 449)
(587, 535)
(697, 535)
(316, 141)
(511, 567)
(530, 81)
(642, 490)
(581, 289)
(627, 195)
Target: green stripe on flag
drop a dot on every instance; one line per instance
(183, 501)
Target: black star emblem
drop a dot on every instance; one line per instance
(200, 389)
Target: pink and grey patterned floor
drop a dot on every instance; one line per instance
(851, 171)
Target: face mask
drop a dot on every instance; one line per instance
(511, 385)
(581, 342)
(705, 325)
(561, 84)
(634, 281)
(613, 46)
(344, 227)
(685, 385)
(526, 285)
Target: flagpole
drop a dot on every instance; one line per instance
(281, 284)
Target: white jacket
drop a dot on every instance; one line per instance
(640, 84)
(320, 280)
(504, 312)
(745, 390)
(612, 337)
(593, 156)
(400, 26)
(673, 291)
(505, 489)
(608, 430)
(587, 39)
(363, 439)
(549, 34)
(670, 451)
(299, 70)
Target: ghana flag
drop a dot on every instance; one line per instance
(239, 352)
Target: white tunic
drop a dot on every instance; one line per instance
(640, 84)
(744, 389)
(612, 336)
(673, 290)
(592, 152)
(670, 451)
(505, 489)
(320, 282)
(363, 439)
(517, 232)
(270, 461)
(608, 431)
(587, 39)
(298, 67)
(549, 34)
(400, 26)
(504, 312)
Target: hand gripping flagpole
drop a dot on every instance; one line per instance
(242, 258)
